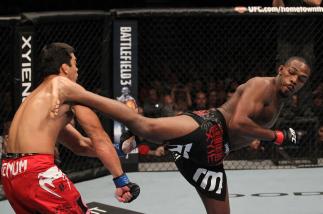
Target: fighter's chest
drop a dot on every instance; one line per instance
(267, 117)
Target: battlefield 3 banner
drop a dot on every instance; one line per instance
(125, 68)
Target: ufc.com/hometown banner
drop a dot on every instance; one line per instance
(125, 67)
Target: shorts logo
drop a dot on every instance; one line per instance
(46, 179)
(14, 168)
(181, 149)
(201, 113)
(210, 180)
(214, 140)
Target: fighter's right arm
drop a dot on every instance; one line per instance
(254, 95)
(253, 99)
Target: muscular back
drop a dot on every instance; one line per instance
(39, 120)
(256, 102)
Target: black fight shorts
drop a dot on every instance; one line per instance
(208, 144)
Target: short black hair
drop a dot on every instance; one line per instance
(298, 58)
(52, 57)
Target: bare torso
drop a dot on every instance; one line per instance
(265, 118)
(38, 120)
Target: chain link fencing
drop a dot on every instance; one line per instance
(186, 51)
(191, 51)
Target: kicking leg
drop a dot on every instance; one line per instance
(164, 128)
(156, 130)
(153, 129)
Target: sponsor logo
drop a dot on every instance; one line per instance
(125, 55)
(26, 61)
(285, 9)
(46, 180)
(209, 180)
(214, 140)
(182, 150)
(292, 131)
(14, 168)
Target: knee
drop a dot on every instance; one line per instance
(149, 129)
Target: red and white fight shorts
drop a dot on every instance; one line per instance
(34, 184)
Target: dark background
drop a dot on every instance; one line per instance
(14, 7)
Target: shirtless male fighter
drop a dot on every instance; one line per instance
(31, 181)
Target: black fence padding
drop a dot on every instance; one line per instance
(7, 93)
(7, 40)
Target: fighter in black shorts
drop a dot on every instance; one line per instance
(201, 140)
(199, 155)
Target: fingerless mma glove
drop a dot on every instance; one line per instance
(125, 136)
(284, 136)
(122, 181)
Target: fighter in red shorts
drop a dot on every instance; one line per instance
(31, 181)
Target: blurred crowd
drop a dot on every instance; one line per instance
(164, 99)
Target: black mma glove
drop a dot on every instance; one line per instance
(133, 144)
(124, 136)
(122, 181)
(284, 136)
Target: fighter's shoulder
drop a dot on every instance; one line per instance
(61, 81)
(63, 84)
(259, 82)
(62, 87)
